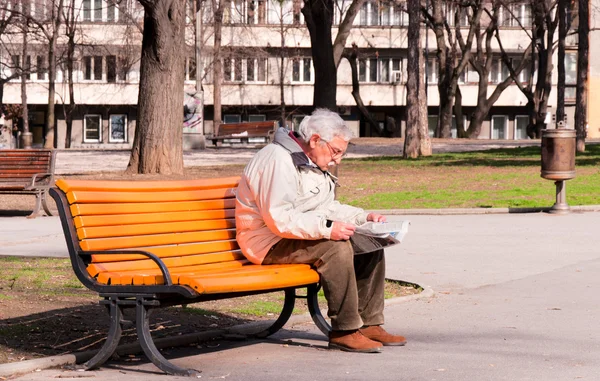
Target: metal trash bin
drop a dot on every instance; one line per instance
(558, 154)
(558, 163)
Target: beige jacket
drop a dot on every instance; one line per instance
(282, 194)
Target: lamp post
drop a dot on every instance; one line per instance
(196, 137)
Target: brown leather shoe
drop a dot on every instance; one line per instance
(352, 341)
(377, 333)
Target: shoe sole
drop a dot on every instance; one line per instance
(394, 344)
(346, 349)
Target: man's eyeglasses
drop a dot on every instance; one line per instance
(335, 152)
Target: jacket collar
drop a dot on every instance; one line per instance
(289, 141)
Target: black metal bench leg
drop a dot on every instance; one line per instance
(38, 205)
(45, 203)
(150, 350)
(284, 316)
(114, 336)
(312, 300)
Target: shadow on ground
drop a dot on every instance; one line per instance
(85, 327)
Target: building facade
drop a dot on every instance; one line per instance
(266, 55)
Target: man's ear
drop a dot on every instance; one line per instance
(314, 140)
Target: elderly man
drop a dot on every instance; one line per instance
(286, 213)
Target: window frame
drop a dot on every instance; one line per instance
(85, 139)
(110, 129)
(505, 132)
(301, 66)
(517, 117)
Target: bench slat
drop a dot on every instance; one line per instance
(156, 207)
(151, 229)
(244, 280)
(154, 276)
(172, 262)
(146, 186)
(175, 250)
(146, 197)
(156, 240)
(148, 218)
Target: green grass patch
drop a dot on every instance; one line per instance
(259, 308)
(495, 178)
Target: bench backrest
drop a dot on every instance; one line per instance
(251, 128)
(186, 223)
(19, 165)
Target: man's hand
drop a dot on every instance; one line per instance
(376, 217)
(341, 231)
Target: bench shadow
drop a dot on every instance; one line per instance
(14, 213)
(84, 327)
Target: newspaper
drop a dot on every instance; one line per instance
(373, 236)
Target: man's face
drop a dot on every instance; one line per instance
(325, 154)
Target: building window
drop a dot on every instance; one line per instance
(570, 76)
(515, 16)
(256, 69)
(111, 69)
(92, 128)
(233, 69)
(117, 128)
(41, 68)
(27, 67)
(257, 118)
(431, 71)
(232, 118)
(383, 13)
(499, 126)
(499, 71)
(521, 123)
(302, 70)
(432, 121)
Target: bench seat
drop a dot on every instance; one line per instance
(244, 131)
(30, 172)
(162, 243)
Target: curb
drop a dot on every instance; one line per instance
(38, 364)
(472, 211)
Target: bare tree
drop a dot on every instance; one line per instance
(158, 144)
(7, 17)
(483, 61)
(218, 8)
(453, 51)
(540, 53)
(581, 113)
(325, 53)
(564, 24)
(416, 141)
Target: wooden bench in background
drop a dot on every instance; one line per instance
(28, 171)
(152, 244)
(245, 130)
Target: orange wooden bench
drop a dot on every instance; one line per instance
(152, 244)
(28, 171)
(245, 131)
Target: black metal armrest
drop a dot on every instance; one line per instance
(161, 265)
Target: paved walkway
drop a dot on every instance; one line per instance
(511, 297)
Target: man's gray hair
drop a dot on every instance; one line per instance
(325, 123)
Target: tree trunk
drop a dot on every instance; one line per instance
(458, 113)
(356, 91)
(158, 142)
(50, 115)
(282, 72)
(217, 64)
(25, 112)
(319, 19)
(413, 117)
(562, 35)
(581, 108)
(70, 25)
(425, 148)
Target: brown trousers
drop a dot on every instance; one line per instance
(353, 284)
